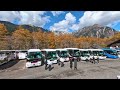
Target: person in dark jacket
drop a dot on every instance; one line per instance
(71, 62)
(93, 59)
(75, 64)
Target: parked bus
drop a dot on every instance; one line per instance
(63, 54)
(6, 56)
(9, 54)
(97, 53)
(118, 52)
(15, 54)
(21, 54)
(3, 55)
(84, 54)
(74, 53)
(34, 58)
(50, 55)
(110, 53)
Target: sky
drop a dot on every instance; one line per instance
(66, 21)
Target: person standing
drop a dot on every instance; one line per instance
(62, 61)
(93, 59)
(75, 64)
(71, 62)
(98, 59)
(49, 64)
(46, 64)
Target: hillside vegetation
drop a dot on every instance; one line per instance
(25, 39)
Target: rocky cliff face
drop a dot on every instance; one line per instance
(95, 31)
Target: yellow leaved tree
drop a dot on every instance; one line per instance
(21, 38)
(3, 36)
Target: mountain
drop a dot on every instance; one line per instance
(95, 31)
(12, 27)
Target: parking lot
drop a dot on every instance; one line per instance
(105, 69)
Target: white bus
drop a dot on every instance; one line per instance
(34, 58)
(9, 54)
(63, 54)
(3, 55)
(84, 54)
(15, 54)
(74, 53)
(97, 53)
(21, 54)
(50, 55)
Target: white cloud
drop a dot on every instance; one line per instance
(114, 23)
(26, 17)
(69, 17)
(38, 18)
(56, 13)
(75, 27)
(34, 18)
(8, 15)
(105, 18)
(99, 17)
(65, 24)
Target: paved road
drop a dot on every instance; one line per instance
(106, 69)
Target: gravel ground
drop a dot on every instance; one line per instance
(105, 69)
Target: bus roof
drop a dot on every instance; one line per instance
(48, 50)
(83, 49)
(72, 48)
(11, 50)
(95, 49)
(61, 49)
(107, 49)
(33, 50)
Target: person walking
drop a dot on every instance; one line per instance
(75, 64)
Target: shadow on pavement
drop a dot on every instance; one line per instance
(9, 64)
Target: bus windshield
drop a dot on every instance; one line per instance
(101, 53)
(84, 53)
(76, 53)
(34, 55)
(118, 52)
(95, 53)
(51, 55)
(63, 54)
(112, 52)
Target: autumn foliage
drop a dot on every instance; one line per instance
(24, 39)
